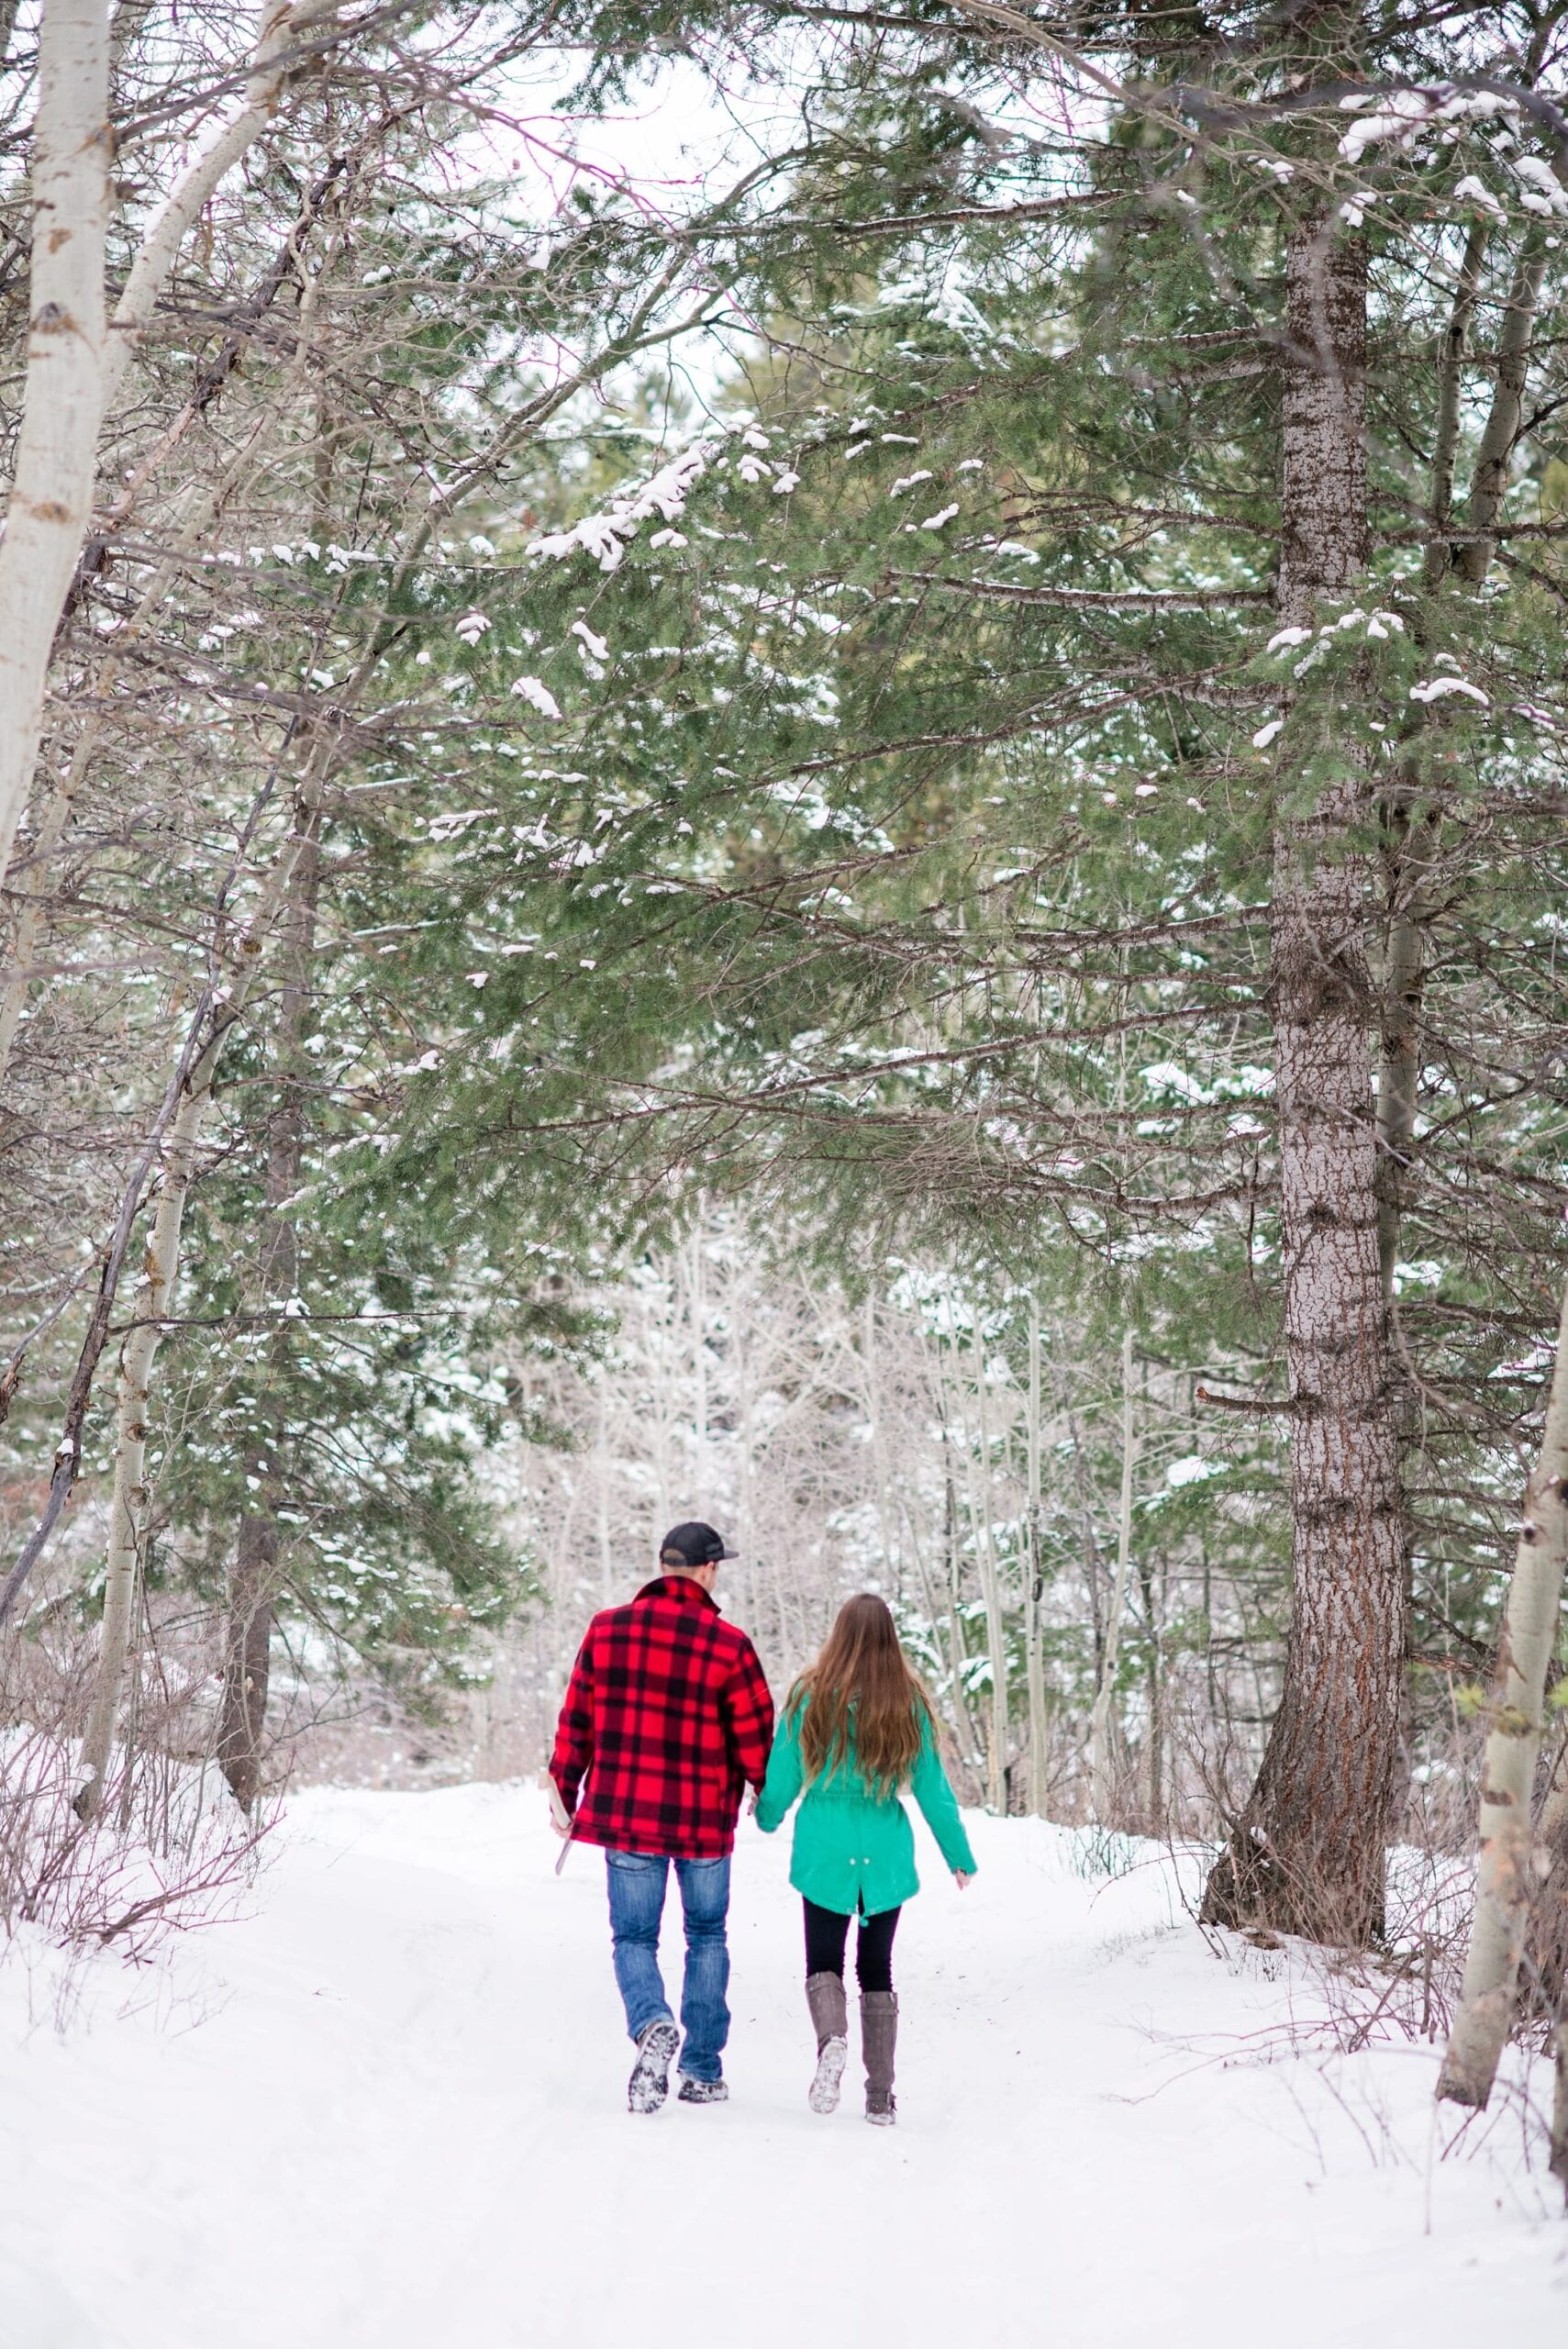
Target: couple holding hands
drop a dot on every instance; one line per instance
(667, 1719)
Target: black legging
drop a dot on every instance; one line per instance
(826, 1934)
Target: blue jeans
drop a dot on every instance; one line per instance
(637, 1883)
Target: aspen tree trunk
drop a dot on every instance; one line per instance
(991, 1591)
(154, 1302)
(1508, 1780)
(253, 1582)
(51, 502)
(1102, 1784)
(154, 1299)
(1399, 1062)
(1307, 1854)
(1494, 458)
(1450, 381)
(1410, 849)
(215, 157)
(602, 1477)
(1151, 1589)
(75, 365)
(1547, 1950)
(953, 1564)
(985, 1741)
(879, 1445)
(1034, 1569)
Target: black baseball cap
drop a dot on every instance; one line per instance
(694, 1544)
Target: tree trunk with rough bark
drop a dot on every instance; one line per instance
(253, 1583)
(1307, 1854)
(1504, 1883)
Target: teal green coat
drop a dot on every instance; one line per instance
(850, 1851)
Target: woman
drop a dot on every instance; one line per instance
(857, 1727)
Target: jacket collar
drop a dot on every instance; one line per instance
(680, 1586)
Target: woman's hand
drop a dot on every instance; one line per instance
(963, 1878)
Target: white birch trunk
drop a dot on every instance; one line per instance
(154, 1297)
(1513, 1744)
(51, 502)
(155, 1300)
(991, 1591)
(75, 367)
(1035, 1634)
(957, 1651)
(1101, 1782)
(215, 157)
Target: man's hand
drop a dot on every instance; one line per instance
(560, 1819)
(962, 1879)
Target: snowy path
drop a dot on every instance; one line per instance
(386, 2107)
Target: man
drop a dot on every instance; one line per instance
(668, 1715)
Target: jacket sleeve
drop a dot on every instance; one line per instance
(748, 1716)
(938, 1807)
(782, 1782)
(570, 1762)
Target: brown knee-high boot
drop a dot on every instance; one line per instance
(879, 2040)
(830, 2014)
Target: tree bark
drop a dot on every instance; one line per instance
(1503, 1886)
(1101, 1782)
(991, 1592)
(155, 1301)
(253, 1583)
(1409, 852)
(1307, 1854)
(1546, 1952)
(1451, 382)
(1494, 458)
(62, 402)
(75, 364)
(1035, 1569)
(59, 812)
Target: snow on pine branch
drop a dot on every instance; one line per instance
(606, 536)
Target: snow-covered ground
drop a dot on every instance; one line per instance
(386, 2105)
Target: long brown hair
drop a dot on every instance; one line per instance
(862, 1669)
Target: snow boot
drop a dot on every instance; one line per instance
(649, 2082)
(879, 2038)
(829, 2012)
(702, 2091)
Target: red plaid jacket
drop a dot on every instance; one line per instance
(668, 1715)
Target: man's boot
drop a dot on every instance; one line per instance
(879, 2040)
(830, 2014)
(649, 2081)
